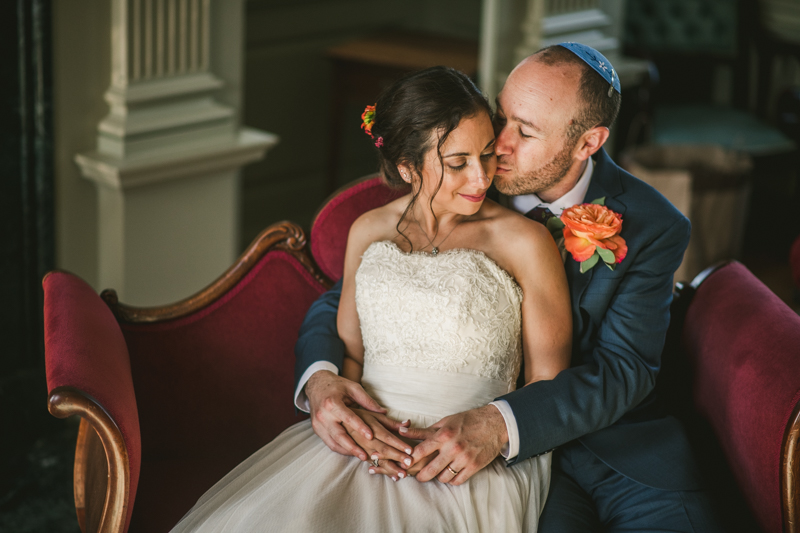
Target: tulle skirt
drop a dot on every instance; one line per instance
(295, 483)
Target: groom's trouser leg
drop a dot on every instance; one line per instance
(623, 504)
(568, 507)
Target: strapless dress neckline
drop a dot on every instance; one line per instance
(443, 253)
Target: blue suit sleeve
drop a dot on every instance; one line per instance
(616, 369)
(319, 338)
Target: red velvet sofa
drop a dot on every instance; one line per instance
(171, 398)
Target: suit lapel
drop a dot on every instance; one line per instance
(577, 281)
(605, 183)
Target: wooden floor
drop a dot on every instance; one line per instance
(39, 498)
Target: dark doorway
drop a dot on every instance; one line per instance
(32, 439)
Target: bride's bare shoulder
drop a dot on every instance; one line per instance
(515, 238)
(512, 226)
(379, 223)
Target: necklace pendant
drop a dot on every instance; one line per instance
(434, 251)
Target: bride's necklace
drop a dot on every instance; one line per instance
(435, 249)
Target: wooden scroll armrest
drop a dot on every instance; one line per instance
(102, 469)
(790, 473)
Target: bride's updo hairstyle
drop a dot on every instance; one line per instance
(410, 109)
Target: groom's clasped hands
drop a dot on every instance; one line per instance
(351, 423)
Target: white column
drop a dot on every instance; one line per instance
(514, 29)
(501, 33)
(169, 151)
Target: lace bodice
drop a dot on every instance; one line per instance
(455, 312)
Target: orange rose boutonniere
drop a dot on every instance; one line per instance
(591, 233)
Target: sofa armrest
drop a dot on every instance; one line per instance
(743, 345)
(102, 468)
(89, 375)
(790, 473)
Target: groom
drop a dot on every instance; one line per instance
(619, 464)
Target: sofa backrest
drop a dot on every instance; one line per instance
(215, 385)
(332, 224)
(225, 370)
(743, 344)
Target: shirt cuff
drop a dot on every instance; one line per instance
(300, 398)
(511, 449)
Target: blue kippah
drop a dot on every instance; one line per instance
(597, 61)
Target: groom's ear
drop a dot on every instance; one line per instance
(591, 141)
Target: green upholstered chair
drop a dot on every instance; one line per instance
(697, 45)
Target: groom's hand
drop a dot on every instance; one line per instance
(329, 397)
(466, 442)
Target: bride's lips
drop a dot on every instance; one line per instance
(478, 198)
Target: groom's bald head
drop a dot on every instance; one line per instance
(599, 107)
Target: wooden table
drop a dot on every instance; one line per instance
(363, 67)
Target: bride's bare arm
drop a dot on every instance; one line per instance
(384, 445)
(332, 397)
(347, 323)
(546, 313)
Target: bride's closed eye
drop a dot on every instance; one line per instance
(457, 168)
(484, 157)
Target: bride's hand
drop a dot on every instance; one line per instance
(329, 398)
(390, 452)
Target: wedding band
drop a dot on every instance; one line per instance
(452, 471)
(375, 463)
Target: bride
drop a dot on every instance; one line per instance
(444, 293)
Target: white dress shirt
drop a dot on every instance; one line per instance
(522, 204)
(300, 398)
(526, 202)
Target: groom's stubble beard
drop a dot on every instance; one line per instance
(539, 179)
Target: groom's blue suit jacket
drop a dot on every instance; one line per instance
(606, 398)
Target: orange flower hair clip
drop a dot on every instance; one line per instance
(367, 120)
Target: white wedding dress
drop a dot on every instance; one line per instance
(442, 334)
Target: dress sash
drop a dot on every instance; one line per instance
(429, 393)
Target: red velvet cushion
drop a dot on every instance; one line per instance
(215, 386)
(85, 349)
(794, 260)
(332, 224)
(170, 487)
(744, 345)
